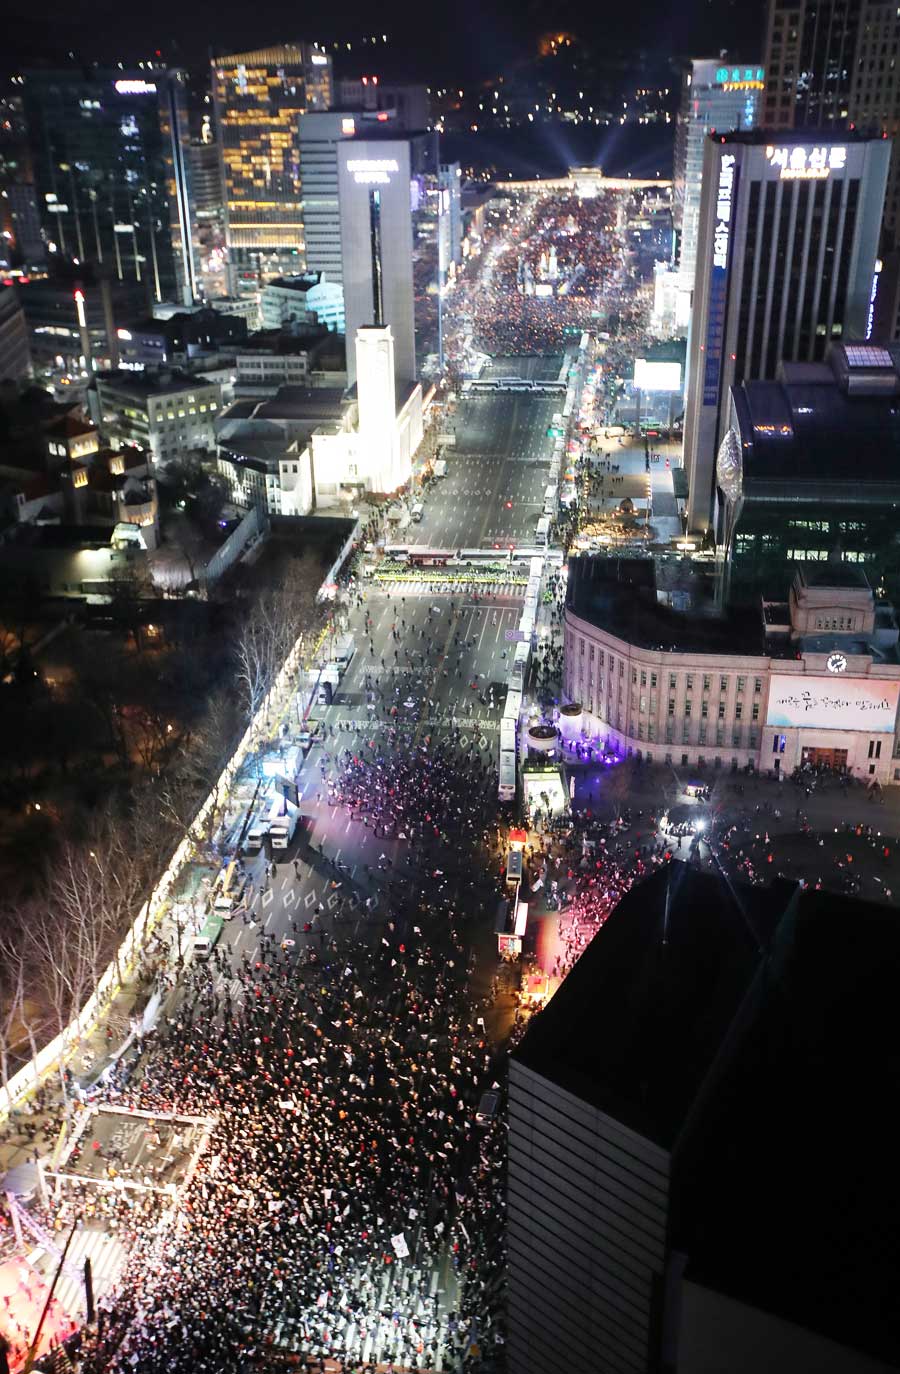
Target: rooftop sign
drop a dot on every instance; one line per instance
(797, 163)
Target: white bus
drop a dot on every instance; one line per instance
(507, 736)
(513, 707)
(507, 788)
(542, 533)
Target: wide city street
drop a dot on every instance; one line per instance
(299, 1158)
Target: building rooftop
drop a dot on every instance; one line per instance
(69, 427)
(636, 1025)
(619, 596)
(823, 424)
(315, 404)
(160, 383)
(788, 136)
(788, 1194)
(277, 342)
(741, 1029)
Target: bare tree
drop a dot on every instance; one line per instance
(281, 614)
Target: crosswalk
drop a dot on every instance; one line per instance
(404, 1321)
(107, 1255)
(512, 587)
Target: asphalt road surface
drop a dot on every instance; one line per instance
(536, 368)
(493, 492)
(295, 895)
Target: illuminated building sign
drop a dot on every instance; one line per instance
(372, 171)
(740, 78)
(319, 59)
(822, 704)
(348, 126)
(715, 325)
(132, 86)
(807, 164)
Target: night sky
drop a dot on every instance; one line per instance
(432, 44)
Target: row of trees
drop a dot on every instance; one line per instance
(56, 941)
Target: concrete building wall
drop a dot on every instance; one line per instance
(787, 246)
(587, 1206)
(689, 708)
(367, 169)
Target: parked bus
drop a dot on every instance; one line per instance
(420, 557)
(542, 533)
(208, 937)
(506, 790)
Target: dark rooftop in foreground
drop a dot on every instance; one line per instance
(752, 1032)
(636, 1025)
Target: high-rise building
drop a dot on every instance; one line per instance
(406, 108)
(787, 248)
(15, 361)
(809, 63)
(450, 179)
(21, 244)
(376, 244)
(108, 149)
(715, 95)
(320, 134)
(833, 64)
(259, 98)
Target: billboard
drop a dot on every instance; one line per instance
(718, 280)
(656, 376)
(818, 703)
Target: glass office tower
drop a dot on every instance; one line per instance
(108, 152)
(259, 98)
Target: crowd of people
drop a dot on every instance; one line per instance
(348, 1206)
(326, 1216)
(505, 319)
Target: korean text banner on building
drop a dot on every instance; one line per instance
(818, 703)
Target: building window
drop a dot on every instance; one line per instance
(704, 709)
(740, 683)
(653, 679)
(689, 681)
(634, 677)
(643, 678)
(706, 682)
(723, 684)
(755, 711)
(687, 709)
(671, 706)
(738, 710)
(757, 684)
(672, 682)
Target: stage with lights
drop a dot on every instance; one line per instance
(22, 1296)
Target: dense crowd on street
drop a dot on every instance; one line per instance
(343, 1090)
(508, 321)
